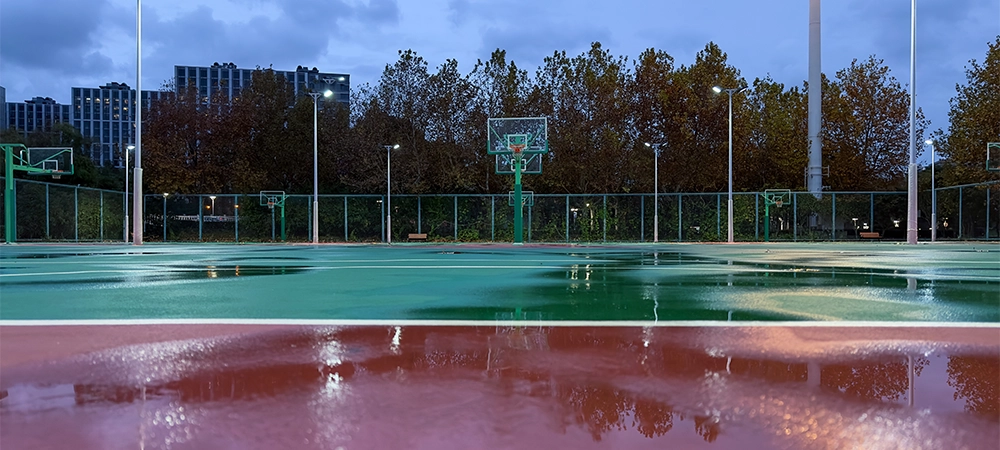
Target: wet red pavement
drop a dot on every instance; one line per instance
(363, 387)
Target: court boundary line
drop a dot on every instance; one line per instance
(491, 323)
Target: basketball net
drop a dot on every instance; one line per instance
(517, 150)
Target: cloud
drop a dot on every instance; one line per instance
(61, 37)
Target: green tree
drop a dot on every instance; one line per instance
(975, 120)
(778, 137)
(590, 141)
(866, 128)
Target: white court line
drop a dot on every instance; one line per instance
(490, 323)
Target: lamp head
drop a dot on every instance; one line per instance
(929, 142)
(395, 147)
(648, 144)
(327, 93)
(717, 89)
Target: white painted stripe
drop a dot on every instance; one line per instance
(490, 323)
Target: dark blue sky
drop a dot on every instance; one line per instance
(47, 47)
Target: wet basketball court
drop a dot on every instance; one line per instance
(809, 345)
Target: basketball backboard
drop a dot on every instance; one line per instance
(271, 199)
(53, 161)
(777, 197)
(532, 132)
(527, 198)
(532, 164)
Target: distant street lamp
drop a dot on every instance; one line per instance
(930, 142)
(719, 90)
(656, 189)
(315, 208)
(388, 191)
(213, 203)
(127, 149)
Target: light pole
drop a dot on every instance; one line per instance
(656, 189)
(127, 149)
(315, 208)
(729, 207)
(930, 142)
(213, 203)
(388, 192)
(137, 190)
(911, 185)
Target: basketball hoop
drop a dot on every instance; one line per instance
(517, 150)
(270, 204)
(777, 203)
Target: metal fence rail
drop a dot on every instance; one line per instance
(55, 212)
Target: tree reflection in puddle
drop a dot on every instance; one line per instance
(413, 386)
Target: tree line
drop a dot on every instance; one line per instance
(601, 109)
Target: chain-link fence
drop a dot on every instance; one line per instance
(54, 212)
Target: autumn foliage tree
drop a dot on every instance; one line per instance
(601, 109)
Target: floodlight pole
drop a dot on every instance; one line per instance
(729, 207)
(656, 190)
(137, 189)
(315, 208)
(388, 191)
(911, 197)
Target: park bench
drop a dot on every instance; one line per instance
(417, 236)
(870, 235)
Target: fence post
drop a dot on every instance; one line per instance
(309, 214)
(101, 215)
(604, 223)
(419, 216)
(164, 219)
(567, 218)
(871, 211)
(960, 202)
(383, 219)
(680, 218)
(48, 235)
(833, 216)
(456, 218)
(76, 214)
(795, 216)
(642, 218)
(529, 224)
(756, 216)
(493, 218)
(236, 214)
(201, 202)
(345, 219)
(988, 206)
(718, 216)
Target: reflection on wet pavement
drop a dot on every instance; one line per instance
(508, 386)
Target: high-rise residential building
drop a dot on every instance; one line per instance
(230, 80)
(107, 116)
(37, 114)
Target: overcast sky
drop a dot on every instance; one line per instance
(49, 46)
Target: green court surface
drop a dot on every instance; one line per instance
(858, 282)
